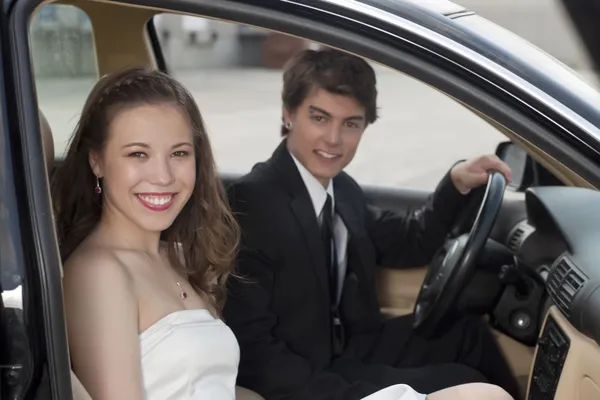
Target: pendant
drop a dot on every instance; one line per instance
(182, 293)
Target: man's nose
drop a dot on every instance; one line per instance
(333, 136)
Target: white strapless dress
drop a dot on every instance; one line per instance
(190, 355)
(396, 392)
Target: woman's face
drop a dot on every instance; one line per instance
(148, 165)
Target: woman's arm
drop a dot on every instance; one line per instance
(102, 322)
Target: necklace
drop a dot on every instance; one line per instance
(182, 293)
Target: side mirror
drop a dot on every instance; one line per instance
(526, 171)
(520, 163)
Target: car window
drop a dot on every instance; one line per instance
(65, 68)
(235, 75)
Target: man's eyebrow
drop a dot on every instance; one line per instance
(356, 118)
(317, 109)
(351, 118)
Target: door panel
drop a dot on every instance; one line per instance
(398, 289)
(401, 201)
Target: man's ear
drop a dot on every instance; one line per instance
(95, 161)
(287, 115)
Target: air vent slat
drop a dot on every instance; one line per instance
(574, 281)
(567, 293)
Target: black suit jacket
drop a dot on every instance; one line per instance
(279, 307)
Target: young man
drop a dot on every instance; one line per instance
(308, 331)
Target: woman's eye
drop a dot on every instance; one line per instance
(181, 153)
(137, 154)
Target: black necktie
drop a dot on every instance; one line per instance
(329, 247)
(332, 265)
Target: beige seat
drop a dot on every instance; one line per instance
(246, 394)
(79, 392)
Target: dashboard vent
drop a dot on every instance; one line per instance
(563, 284)
(515, 239)
(519, 235)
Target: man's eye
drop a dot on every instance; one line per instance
(319, 118)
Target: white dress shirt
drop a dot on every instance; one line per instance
(318, 195)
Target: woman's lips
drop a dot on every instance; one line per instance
(156, 201)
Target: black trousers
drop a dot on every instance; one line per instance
(467, 352)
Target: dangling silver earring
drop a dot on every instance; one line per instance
(288, 125)
(98, 189)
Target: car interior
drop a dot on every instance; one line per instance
(540, 245)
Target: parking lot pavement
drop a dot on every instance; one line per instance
(419, 135)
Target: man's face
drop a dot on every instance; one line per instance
(326, 129)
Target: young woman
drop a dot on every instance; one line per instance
(148, 240)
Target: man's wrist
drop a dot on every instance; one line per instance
(456, 181)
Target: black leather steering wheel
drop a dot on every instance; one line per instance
(453, 265)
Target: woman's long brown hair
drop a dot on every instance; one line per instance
(205, 233)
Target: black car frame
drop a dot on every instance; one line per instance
(550, 114)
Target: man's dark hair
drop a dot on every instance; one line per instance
(332, 70)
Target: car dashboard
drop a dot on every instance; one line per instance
(560, 242)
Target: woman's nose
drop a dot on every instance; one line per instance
(163, 172)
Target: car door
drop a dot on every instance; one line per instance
(34, 351)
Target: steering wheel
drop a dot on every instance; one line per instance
(454, 264)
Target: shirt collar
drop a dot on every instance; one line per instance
(316, 191)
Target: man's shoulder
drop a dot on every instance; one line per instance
(347, 184)
(255, 187)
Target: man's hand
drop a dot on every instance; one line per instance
(473, 173)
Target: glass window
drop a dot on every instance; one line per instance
(235, 74)
(65, 68)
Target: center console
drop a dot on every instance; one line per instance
(553, 346)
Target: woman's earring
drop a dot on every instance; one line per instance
(98, 189)
(288, 125)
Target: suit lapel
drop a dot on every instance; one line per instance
(356, 230)
(303, 210)
(302, 207)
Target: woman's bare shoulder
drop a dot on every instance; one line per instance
(94, 266)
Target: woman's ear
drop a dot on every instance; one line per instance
(95, 161)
